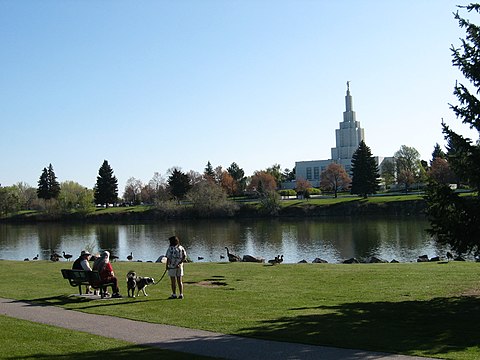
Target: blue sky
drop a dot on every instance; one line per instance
(149, 85)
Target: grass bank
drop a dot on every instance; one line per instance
(425, 309)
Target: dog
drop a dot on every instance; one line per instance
(137, 282)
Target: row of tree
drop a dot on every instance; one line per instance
(363, 180)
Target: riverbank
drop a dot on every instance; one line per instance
(399, 205)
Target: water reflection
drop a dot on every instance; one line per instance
(330, 239)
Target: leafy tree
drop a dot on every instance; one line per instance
(262, 182)
(387, 171)
(179, 184)
(9, 200)
(228, 183)
(209, 199)
(270, 202)
(334, 178)
(276, 172)
(239, 176)
(455, 220)
(74, 196)
(301, 186)
(365, 177)
(48, 186)
(440, 171)
(407, 163)
(106, 188)
(27, 195)
(288, 175)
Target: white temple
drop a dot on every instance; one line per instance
(348, 137)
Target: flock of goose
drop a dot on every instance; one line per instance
(56, 257)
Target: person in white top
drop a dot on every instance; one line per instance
(176, 256)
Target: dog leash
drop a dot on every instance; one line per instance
(161, 277)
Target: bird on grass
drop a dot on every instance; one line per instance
(200, 258)
(130, 257)
(232, 257)
(67, 256)
(449, 256)
(35, 258)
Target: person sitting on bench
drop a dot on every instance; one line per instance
(82, 264)
(105, 270)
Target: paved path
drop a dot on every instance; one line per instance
(183, 339)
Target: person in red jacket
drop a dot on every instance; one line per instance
(105, 270)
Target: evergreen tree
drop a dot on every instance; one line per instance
(437, 153)
(53, 184)
(106, 188)
(179, 184)
(365, 177)
(238, 175)
(42, 190)
(48, 186)
(455, 220)
(209, 173)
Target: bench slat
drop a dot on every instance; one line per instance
(82, 277)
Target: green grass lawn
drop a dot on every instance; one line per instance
(425, 309)
(27, 340)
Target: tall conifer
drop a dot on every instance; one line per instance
(365, 177)
(455, 220)
(106, 188)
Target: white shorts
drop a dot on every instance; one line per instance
(176, 272)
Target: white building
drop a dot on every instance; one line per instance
(348, 136)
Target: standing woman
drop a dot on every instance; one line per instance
(105, 270)
(176, 256)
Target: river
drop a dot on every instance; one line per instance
(331, 239)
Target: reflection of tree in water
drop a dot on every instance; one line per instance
(11, 234)
(107, 237)
(50, 237)
(359, 237)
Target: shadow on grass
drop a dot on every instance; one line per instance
(430, 328)
(88, 303)
(125, 352)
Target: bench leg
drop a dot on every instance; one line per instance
(80, 289)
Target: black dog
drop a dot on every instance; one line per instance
(138, 282)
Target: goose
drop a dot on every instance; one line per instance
(273, 261)
(67, 256)
(113, 257)
(232, 257)
(449, 256)
(200, 258)
(130, 257)
(35, 258)
(55, 257)
(222, 256)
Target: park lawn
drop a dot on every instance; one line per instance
(424, 309)
(28, 340)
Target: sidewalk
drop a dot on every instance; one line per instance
(182, 339)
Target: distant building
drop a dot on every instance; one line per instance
(348, 136)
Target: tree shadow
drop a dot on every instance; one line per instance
(430, 328)
(136, 352)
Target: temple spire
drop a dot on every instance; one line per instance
(348, 103)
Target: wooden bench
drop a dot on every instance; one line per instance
(86, 278)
